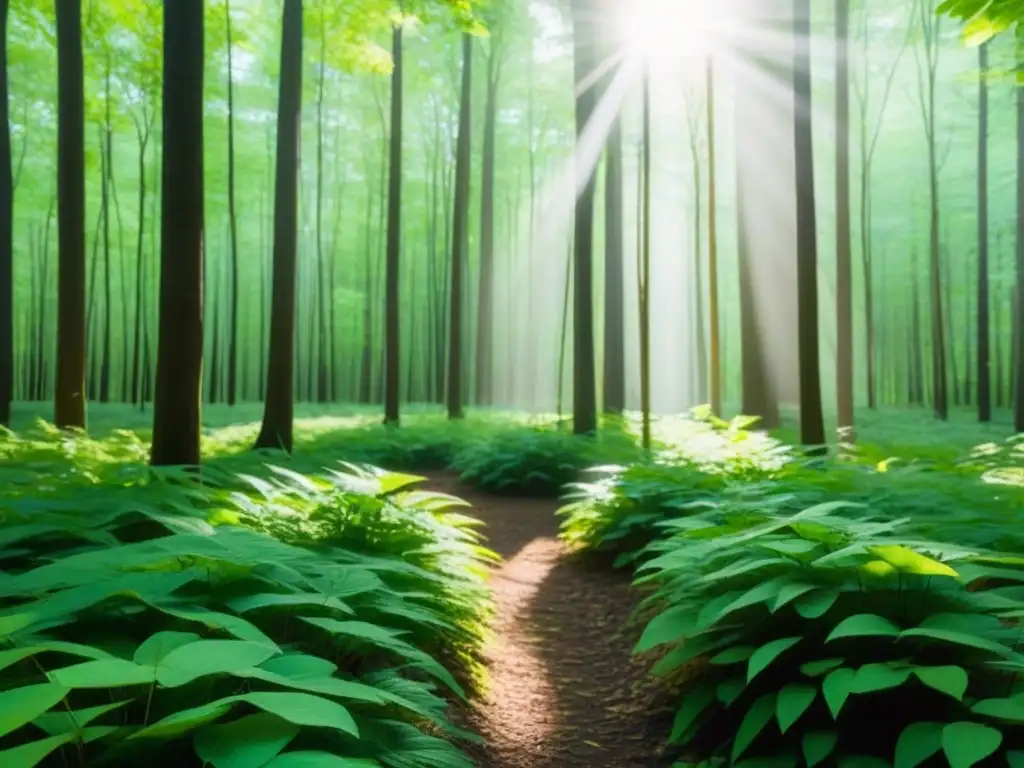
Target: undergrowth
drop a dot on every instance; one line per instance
(251, 616)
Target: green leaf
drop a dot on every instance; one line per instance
(958, 638)
(768, 653)
(14, 622)
(1015, 758)
(836, 687)
(733, 655)
(667, 627)
(950, 680)
(967, 743)
(319, 760)
(917, 743)
(62, 721)
(793, 701)
(816, 604)
(1001, 709)
(729, 690)
(909, 561)
(23, 705)
(304, 709)
(757, 717)
(185, 720)
(818, 745)
(864, 625)
(818, 668)
(152, 650)
(791, 592)
(694, 704)
(878, 677)
(209, 657)
(248, 742)
(299, 665)
(33, 753)
(106, 673)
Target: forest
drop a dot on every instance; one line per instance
(511, 383)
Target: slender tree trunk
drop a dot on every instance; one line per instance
(214, 301)
(714, 323)
(279, 407)
(984, 361)
(460, 206)
(844, 257)
(584, 367)
(485, 305)
(321, 368)
(107, 298)
(232, 393)
(394, 245)
(6, 236)
(1018, 410)
(179, 367)
(614, 264)
(644, 270)
(140, 308)
(69, 411)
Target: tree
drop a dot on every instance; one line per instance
(984, 357)
(232, 393)
(1018, 403)
(392, 317)
(179, 367)
(844, 277)
(584, 368)
(714, 315)
(278, 410)
(812, 425)
(460, 208)
(644, 268)
(6, 236)
(69, 410)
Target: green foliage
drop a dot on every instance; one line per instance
(272, 619)
(985, 18)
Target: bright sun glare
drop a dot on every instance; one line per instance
(672, 29)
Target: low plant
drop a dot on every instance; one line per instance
(825, 635)
(217, 624)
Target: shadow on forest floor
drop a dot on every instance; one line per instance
(563, 688)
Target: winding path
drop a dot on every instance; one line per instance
(564, 691)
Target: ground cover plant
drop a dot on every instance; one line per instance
(230, 619)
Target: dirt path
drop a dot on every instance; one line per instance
(564, 690)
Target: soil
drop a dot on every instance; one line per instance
(564, 690)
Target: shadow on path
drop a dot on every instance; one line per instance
(564, 690)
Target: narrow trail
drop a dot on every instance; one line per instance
(564, 690)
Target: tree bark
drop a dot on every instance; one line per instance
(392, 360)
(179, 367)
(984, 354)
(614, 275)
(1018, 408)
(69, 410)
(278, 411)
(485, 305)
(459, 215)
(714, 323)
(844, 257)
(232, 388)
(6, 236)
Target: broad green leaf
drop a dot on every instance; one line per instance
(917, 743)
(967, 743)
(768, 653)
(667, 627)
(33, 753)
(152, 650)
(1001, 709)
(248, 742)
(304, 709)
(836, 688)
(729, 690)
(319, 760)
(14, 655)
(791, 592)
(1015, 758)
(733, 655)
(757, 717)
(819, 668)
(275, 600)
(185, 720)
(14, 622)
(61, 721)
(762, 593)
(209, 657)
(105, 673)
(816, 604)
(694, 704)
(958, 638)
(792, 702)
(299, 665)
(818, 745)
(19, 706)
(864, 625)
(909, 561)
(878, 677)
(950, 680)
(233, 625)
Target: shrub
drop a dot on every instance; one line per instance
(825, 636)
(165, 617)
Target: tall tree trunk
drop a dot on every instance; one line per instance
(485, 305)
(644, 270)
(392, 381)
(984, 361)
(142, 132)
(1018, 409)
(232, 389)
(179, 366)
(844, 257)
(584, 367)
(6, 236)
(812, 423)
(714, 323)
(614, 276)
(69, 410)
(279, 407)
(213, 300)
(105, 189)
(321, 364)
(460, 209)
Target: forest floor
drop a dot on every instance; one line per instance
(563, 689)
